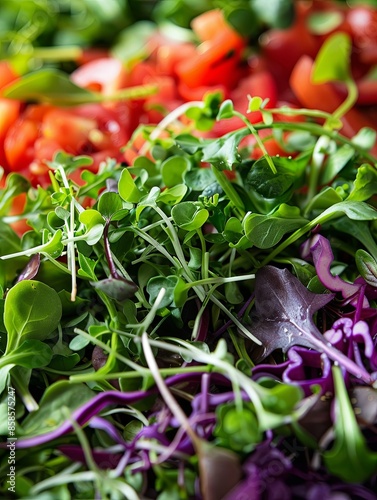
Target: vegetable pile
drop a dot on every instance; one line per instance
(188, 252)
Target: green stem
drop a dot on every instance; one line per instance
(349, 101)
(229, 189)
(259, 141)
(165, 372)
(220, 280)
(318, 157)
(20, 383)
(318, 130)
(58, 53)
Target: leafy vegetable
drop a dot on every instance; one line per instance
(187, 268)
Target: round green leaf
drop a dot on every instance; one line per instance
(32, 311)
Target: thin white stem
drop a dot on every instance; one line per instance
(168, 120)
(164, 391)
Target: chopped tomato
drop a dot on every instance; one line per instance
(70, 131)
(105, 75)
(7, 74)
(18, 203)
(323, 96)
(283, 48)
(168, 56)
(362, 21)
(206, 26)
(367, 91)
(19, 142)
(216, 61)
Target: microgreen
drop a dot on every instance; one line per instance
(133, 325)
(55, 87)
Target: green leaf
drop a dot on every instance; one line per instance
(268, 190)
(54, 247)
(280, 399)
(254, 104)
(265, 231)
(91, 218)
(48, 85)
(30, 354)
(32, 311)
(93, 183)
(322, 23)
(336, 162)
(15, 184)
(173, 195)
(169, 283)
(365, 138)
(50, 415)
(226, 110)
(69, 162)
(234, 234)
(173, 169)
(237, 429)
(223, 152)
(350, 459)
(353, 209)
(87, 266)
(128, 189)
(132, 42)
(279, 14)
(359, 230)
(109, 204)
(243, 20)
(200, 178)
(367, 267)
(327, 197)
(94, 234)
(333, 60)
(233, 294)
(365, 184)
(189, 216)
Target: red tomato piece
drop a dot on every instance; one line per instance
(283, 48)
(222, 51)
(168, 56)
(70, 131)
(362, 21)
(323, 96)
(206, 26)
(19, 142)
(7, 74)
(367, 91)
(105, 75)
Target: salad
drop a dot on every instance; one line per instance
(188, 250)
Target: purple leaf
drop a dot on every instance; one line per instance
(322, 256)
(31, 269)
(283, 311)
(304, 362)
(283, 317)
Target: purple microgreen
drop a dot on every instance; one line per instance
(283, 317)
(219, 468)
(323, 257)
(31, 269)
